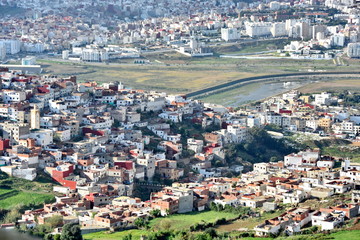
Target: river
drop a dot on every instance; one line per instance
(264, 91)
(15, 235)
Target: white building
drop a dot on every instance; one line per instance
(278, 30)
(322, 98)
(12, 46)
(43, 137)
(2, 51)
(274, 6)
(353, 50)
(29, 60)
(230, 34)
(338, 40)
(327, 221)
(65, 54)
(13, 96)
(94, 55)
(258, 29)
(237, 133)
(195, 145)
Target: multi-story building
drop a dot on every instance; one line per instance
(230, 34)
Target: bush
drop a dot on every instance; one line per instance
(71, 231)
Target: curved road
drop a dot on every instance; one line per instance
(266, 77)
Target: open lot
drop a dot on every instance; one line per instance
(184, 221)
(174, 73)
(248, 223)
(174, 222)
(336, 86)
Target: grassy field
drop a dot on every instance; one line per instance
(179, 79)
(341, 235)
(11, 198)
(351, 152)
(173, 222)
(136, 234)
(184, 221)
(336, 86)
(251, 47)
(175, 73)
(16, 191)
(248, 223)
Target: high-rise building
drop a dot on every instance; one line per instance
(353, 50)
(12, 46)
(29, 60)
(230, 34)
(258, 29)
(2, 51)
(35, 118)
(338, 40)
(274, 6)
(65, 54)
(278, 29)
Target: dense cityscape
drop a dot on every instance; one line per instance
(89, 151)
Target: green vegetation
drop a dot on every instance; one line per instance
(253, 47)
(340, 235)
(136, 234)
(350, 152)
(176, 222)
(247, 223)
(16, 191)
(14, 197)
(334, 147)
(260, 148)
(18, 195)
(184, 221)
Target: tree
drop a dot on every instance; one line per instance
(211, 231)
(49, 237)
(71, 231)
(155, 213)
(55, 221)
(13, 215)
(140, 222)
(128, 237)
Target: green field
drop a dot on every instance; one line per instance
(136, 234)
(248, 223)
(251, 47)
(20, 192)
(11, 198)
(340, 235)
(184, 221)
(172, 222)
